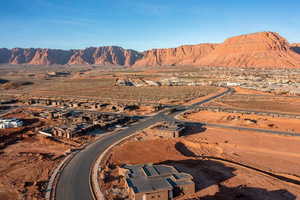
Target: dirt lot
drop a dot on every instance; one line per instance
(104, 90)
(27, 158)
(95, 83)
(224, 164)
(240, 90)
(26, 167)
(245, 120)
(196, 100)
(259, 102)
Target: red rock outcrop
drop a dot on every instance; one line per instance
(110, 55)
(183, 55)
(100, 55)
(20, 56)
(264, 49)
(50, 56)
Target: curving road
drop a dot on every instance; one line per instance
(74, 180)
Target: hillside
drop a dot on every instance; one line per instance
(183, 55)
(110, 55)
(263, 49)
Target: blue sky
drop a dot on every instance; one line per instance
(141, 24)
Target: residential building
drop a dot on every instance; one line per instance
(156, 182)
(10, 123)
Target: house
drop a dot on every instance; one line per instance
(156, 182)
(170, 130)
(10, 123)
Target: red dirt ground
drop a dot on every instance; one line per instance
(225, 164)
(28, 158)
(245, 120)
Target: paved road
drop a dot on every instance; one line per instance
(74, 180)
(191, 123)
(258, 112)
(253, 129)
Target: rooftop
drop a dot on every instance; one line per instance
(147, 178)
(9, 120)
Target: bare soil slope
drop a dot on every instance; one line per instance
(246, 120)
(225, 164)
(27, 159)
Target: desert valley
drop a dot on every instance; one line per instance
(205, 121)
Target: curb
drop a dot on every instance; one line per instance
(94, 183)
(51, 187)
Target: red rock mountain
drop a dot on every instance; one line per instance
(104, 56)
(264, 49)
(183, 55)
(101, 55)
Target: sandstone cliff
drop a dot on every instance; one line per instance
(109, 55)
(50, 56)
(265, 49)
(18, 55)
(183, 55)
(100, 55)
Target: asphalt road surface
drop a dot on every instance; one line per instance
(191, 123)
(74, 181)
